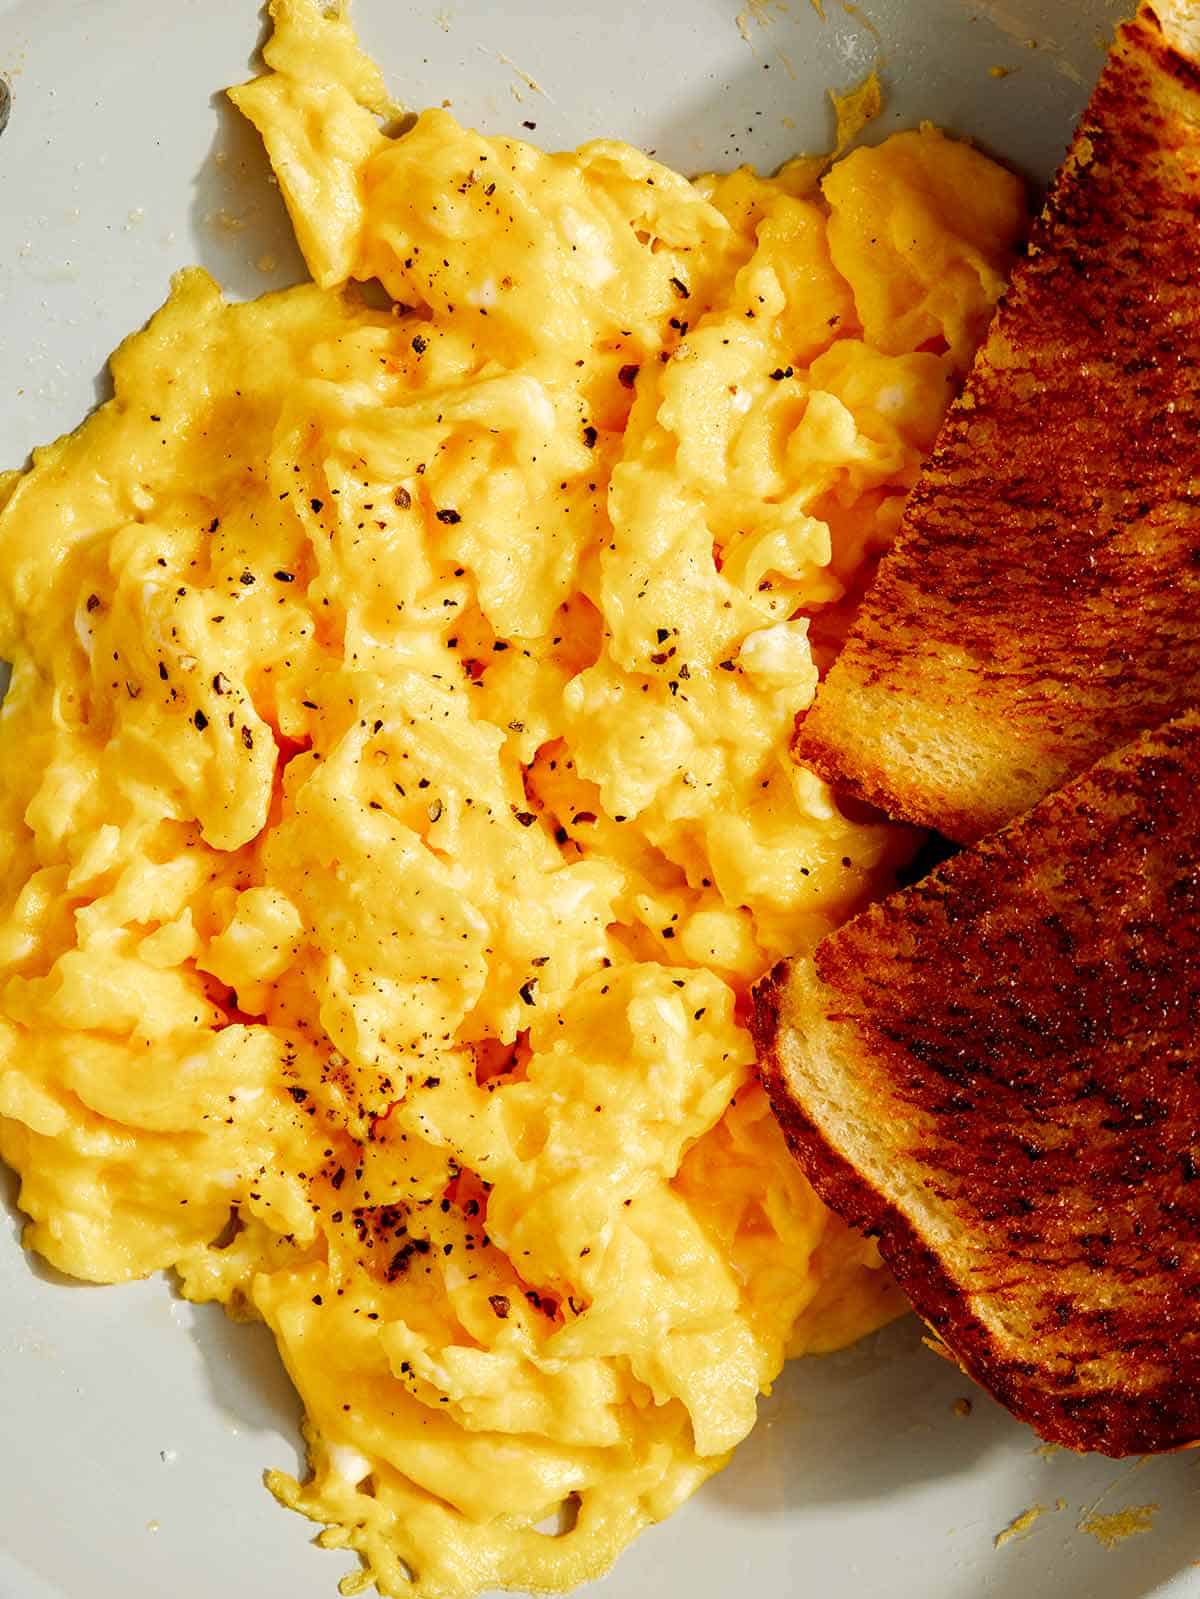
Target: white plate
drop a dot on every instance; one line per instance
(134, 1426)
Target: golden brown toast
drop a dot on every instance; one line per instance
(998, 1072)
(1042, 603)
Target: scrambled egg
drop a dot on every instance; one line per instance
(397, 803)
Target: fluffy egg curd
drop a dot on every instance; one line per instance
(397, 806)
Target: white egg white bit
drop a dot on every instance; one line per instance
(350, 1465)
(891, 400)
(777, 652)
(541, 408)
(83, 631)
(567, 893)
(672, 1012)
(592, 260)
(484, 295)
(573, 694)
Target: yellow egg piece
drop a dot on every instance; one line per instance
(398, 803)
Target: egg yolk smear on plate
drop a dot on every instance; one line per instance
(397, 803)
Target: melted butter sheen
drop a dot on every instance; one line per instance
(397, 800)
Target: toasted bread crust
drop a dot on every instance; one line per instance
(1008, 1094)
(1042, 603)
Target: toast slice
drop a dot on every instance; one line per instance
(1042, 602)
(997, 1072)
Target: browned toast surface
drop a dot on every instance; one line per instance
(1042, 603)
(998, 1071)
